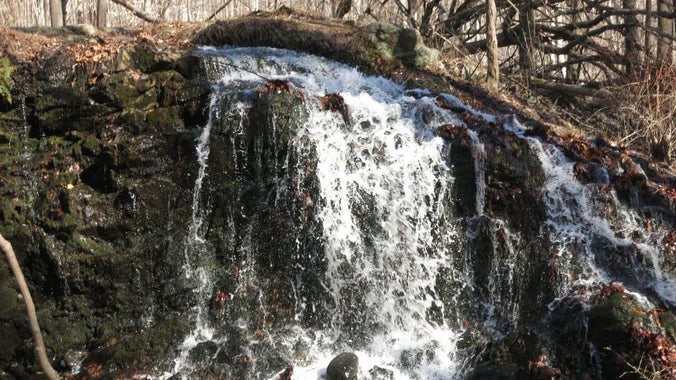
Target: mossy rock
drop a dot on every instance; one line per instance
(148, 57)
(404, 44)
(173, 88)
(322, 37)
(190, 97)
(611, 315)
(63, 109)
(164, 119)
(668, 321)
(9, 212)
(509, 357)
(100, 175)
(79, 335)
(514, 177)
(149, 348)
(13, 324)
(611, 328)
(126, 90)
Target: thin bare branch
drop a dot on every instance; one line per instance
(138, 12)
(40, 349)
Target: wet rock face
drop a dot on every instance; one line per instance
(505, 252)
(514, 214)
(98, 210)
(614, 334)
(96, 198)
(509, 229)
(512, 357)
(259, 190)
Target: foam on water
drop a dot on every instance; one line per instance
(380, 166)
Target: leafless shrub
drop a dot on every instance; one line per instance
(647, 111)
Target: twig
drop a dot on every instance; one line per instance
(219, 10)
(40, 349)
(138, 12)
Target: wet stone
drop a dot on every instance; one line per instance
(379, 373)
(343, 367)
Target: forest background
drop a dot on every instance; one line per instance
(607, 66)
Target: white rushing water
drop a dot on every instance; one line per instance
(384, 184)
(195, 251)
(384, 188)
(384, 206)
(583, 216)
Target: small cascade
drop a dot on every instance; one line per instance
(195, 252)
(596, 239)
(493, 262)
(25, 153)
(503, 302)
(572, 215)
(479, 158)
(588, 227)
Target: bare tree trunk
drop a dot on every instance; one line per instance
(101, 13)
(137, 12)
(426, 23)
(649, 37)
(666, 28)
(64, 13)
(40, 349)
(46, 10)
(56, 13)
(527, 26)
(492, 42)
(573, 69)
(219, 10)
(631, 44)
(341, 8)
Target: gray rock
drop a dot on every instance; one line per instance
(343, 367)
(405, 44)
(82, 29)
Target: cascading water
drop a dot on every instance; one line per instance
(195, 251)
(383, 204)
(342, 235)
(385, 189)
(587, 227)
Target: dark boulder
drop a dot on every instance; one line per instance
(345, 366)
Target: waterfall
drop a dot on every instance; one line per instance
(586, 224)
(385, 189)
(341, 234)
(383, 206)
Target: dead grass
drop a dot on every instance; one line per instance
(292, 30)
